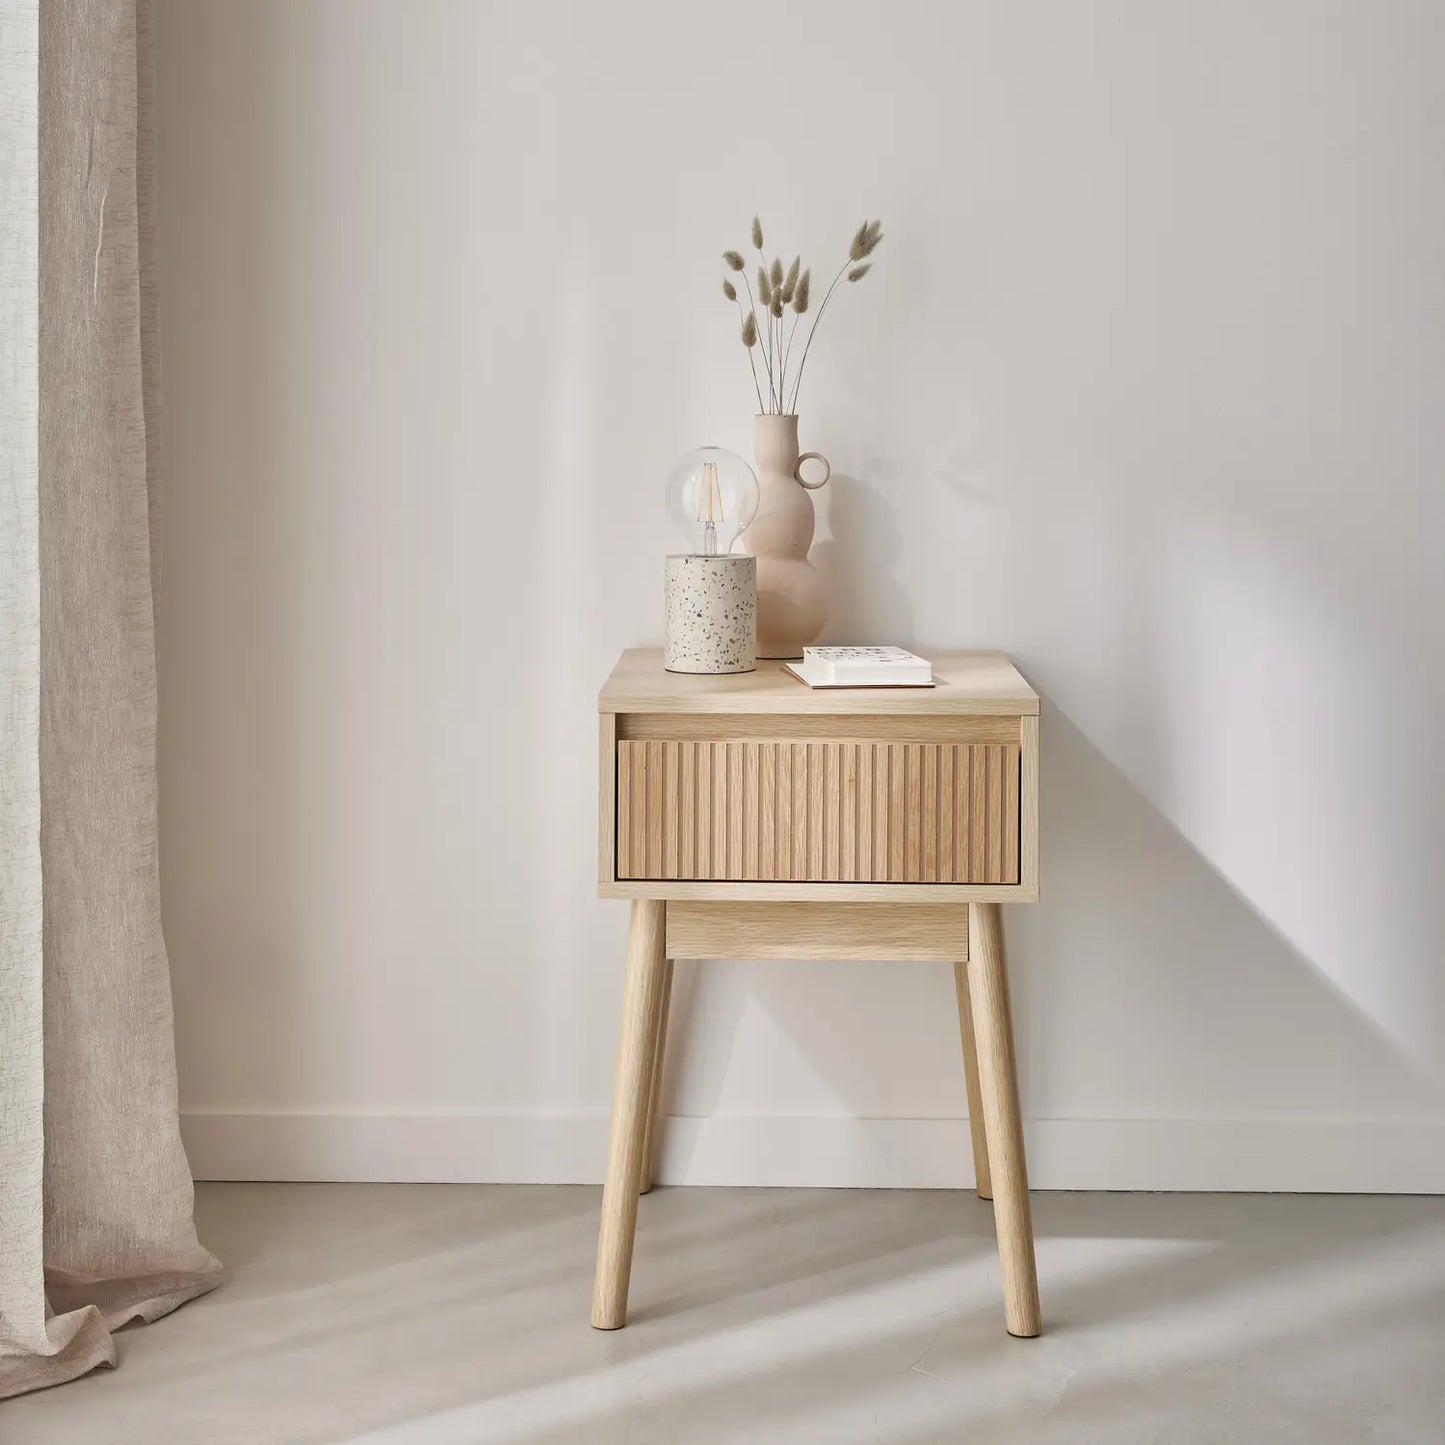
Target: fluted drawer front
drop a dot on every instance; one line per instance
(818, 811)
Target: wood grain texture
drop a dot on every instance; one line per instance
(655, 797)
(977, 683)
(924, 932)
(831, 811)
(701, 809)
(982, 1177)
(814, 764)
(930, 766)
(788, 892)
(1003, 1121)
(719, 809)
(687, 813)
(732, 727)
(1029, 806)
(865, 813)
(651, 1138)
(631, 1097)
(947, 822)
(893, 819)
(606, 797)
(767, 812)
(737, 788)
(634, 840)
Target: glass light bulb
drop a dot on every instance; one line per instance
(712, 495)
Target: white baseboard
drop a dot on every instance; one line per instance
(1326, 1156)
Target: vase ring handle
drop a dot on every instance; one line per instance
(816, 457)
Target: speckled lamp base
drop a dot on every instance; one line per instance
(712, 614)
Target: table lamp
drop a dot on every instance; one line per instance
(711, 596)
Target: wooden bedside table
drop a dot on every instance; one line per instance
(750, 816)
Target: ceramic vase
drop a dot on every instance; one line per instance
(792, 601)
(710, 618)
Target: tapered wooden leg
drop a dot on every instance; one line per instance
(650, 1140)
(641, 1010)
(982, 1179)
(998, 1085)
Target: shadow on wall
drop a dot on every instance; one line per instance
(1147, 979)
(859, 564)
(1101, 940)
(1185, 957)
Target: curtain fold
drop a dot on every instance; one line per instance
(96, 1224)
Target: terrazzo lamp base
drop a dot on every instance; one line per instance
(711, 621)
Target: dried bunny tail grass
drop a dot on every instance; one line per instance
(800, 296)
(763, 326)
(865, 240)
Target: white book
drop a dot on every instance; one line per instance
(862, 667)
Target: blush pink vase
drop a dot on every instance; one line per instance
(792, 601)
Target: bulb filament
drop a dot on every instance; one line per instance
(709, 507)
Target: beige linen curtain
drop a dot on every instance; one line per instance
(95, 1193)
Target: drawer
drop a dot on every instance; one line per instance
(818, 809)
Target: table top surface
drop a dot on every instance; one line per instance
(966, 683)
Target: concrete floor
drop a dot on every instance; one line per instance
(424, 1315)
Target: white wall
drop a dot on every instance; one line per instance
(1146, 388)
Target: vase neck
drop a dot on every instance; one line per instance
(775, 443)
